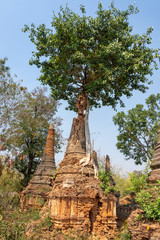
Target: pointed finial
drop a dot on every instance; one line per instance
(51, 126)
(107, 164)
(49, 148)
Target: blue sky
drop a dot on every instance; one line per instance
(16, 45)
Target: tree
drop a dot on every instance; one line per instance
(25, 119)
(10, 94)
(138, 130)
(97, 57)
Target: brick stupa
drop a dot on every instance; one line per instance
(77, 200)
(155, 165)
(36, 193)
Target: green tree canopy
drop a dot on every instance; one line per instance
(10, 94)
(138, 130)
(98, 56)
(25, 118)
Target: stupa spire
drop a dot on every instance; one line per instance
(47, 164)
(49, 148)
(42, 181)
(78, 142)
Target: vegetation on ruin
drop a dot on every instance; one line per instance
(148, 200)
(122, 181)
(138, 130)
(106, 183)
(138, 181)
(147, 196)
(99, 56)
(14, 222)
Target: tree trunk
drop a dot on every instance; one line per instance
(30, 165)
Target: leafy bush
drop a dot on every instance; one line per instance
(123, 234)
(106, 182)
(12, 231)
(10, 180)
(149, 201)
(10, 187)
(14, 224)
(138, 181)
(122, 182)
(147, 197)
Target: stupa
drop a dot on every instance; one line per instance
(155, 164)
(77, 200)
(36, 192)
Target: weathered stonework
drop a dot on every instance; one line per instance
(77, 201)
(155, 165)
(140, 230)
(36, 193)
(108, 170)
(77, 140)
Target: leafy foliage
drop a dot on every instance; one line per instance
(138, 130)
(146, 196)
(122, 181)
(12, 231)
(10, 95)
(123, 184)
(10, 180)
(138, 181)
(13, 221)
(149, 201)
(105, 182)
(123, 233)
(98, 56)
(14, 225)
(10, 188)
(25, 118)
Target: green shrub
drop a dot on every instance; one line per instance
(122, 181)
(55, 173)
(138, 181)
(14, 224)
(10, 187)
(123, 234)
(12, 231)
(106, 182)
(10, 180)
(149, 201)
(147, 197)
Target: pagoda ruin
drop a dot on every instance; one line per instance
(77, 200)
(36, 193)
